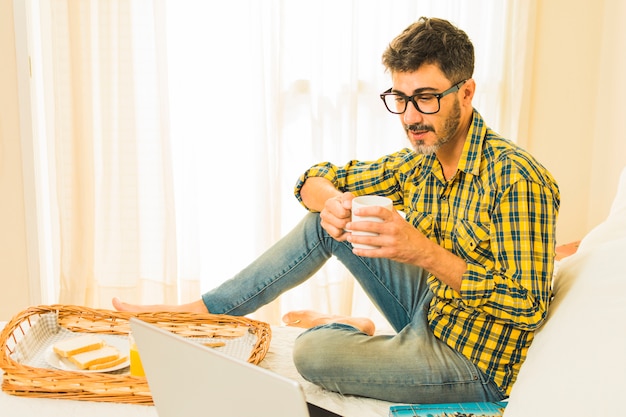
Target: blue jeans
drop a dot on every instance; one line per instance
(412, 366)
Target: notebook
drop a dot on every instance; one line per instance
(189, 379)
(477, 409)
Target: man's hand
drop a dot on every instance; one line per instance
(336, 214)
(319, 194)
(398, 240)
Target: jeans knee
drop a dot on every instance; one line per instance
(323, 351)
(310, 219)
(307, 356)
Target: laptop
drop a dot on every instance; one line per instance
(189, 379)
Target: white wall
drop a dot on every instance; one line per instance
(577, 106)
(577, 102)
(609, 140)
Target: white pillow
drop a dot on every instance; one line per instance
(613, 227)
(619, 203)
(577, 362)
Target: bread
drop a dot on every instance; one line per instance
(75, 345)
(90, 358)
(107, 365)
(89, 352)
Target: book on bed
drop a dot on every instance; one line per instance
(475, 409)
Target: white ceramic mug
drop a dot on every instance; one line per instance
(369, 201)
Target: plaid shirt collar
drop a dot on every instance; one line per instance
(472, 149)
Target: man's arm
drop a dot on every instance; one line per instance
(400, 241)
(517, 286)
(319, 194)
(316, 191)
(445, 266)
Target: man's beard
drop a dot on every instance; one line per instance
(450, 126)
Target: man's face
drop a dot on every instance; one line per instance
(429, 132)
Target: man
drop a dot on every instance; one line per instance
(464, 278)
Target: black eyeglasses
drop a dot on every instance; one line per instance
(426, 103)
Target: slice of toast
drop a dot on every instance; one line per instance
(76, 345)
(95, 357)
(107, 365)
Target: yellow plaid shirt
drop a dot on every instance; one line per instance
(499, 214)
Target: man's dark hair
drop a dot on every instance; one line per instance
(432, 41)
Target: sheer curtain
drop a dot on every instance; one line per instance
(173, 131)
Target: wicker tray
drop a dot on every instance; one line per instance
(24, 380)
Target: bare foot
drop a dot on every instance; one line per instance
(194, 307)
(309, 318)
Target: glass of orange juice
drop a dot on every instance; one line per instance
(136, 368)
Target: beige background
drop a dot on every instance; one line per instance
(576, 101)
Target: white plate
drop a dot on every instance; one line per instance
(65, 364)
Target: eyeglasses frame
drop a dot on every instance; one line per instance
(455, 87)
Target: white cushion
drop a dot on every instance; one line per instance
(619, 202)
(577, 363)
(615, 224)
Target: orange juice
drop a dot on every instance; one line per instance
(136, 368)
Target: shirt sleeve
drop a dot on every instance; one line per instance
(381, 177)
(518, 289)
